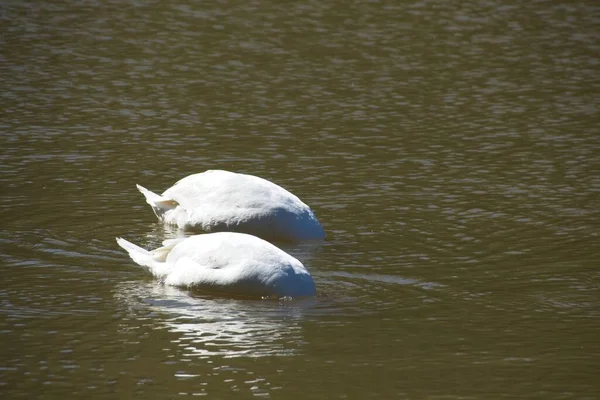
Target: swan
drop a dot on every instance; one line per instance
(217, 200)
(227, 262)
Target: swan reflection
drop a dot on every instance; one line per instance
(210, 326)
(304, 251)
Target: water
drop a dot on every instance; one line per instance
(451, 151)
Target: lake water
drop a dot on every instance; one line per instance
(450, 149)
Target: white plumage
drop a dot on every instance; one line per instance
(226, 262)
(216, 200)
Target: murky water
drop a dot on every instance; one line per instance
(451, 150)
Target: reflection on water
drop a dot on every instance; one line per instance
(158, 232)
(209, 326)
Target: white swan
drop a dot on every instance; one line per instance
(218, 200)
(227, 262)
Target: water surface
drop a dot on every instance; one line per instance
(450, 149)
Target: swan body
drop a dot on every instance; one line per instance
(227, 262)
(217, 200)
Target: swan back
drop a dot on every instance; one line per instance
(218, 200)
(229, 262)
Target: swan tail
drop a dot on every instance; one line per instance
(140, 256)
(159, 204)
(161, 253)
(153, 260)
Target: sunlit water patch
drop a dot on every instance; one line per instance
(208, 326)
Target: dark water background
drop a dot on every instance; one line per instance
(451, 150)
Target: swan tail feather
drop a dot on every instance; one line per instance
(153, 260)
(159, 204)
(140, 256)
(161, 253)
